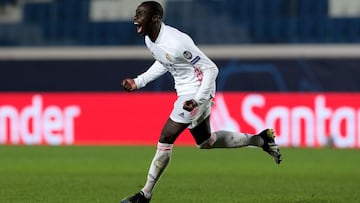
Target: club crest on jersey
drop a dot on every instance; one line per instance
(167, 56)
(187, 55)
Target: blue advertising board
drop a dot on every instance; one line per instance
(269, 75)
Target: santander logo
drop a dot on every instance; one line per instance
(220, 116)
(38, 124)
(314, 121)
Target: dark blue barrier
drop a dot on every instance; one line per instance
(285, 75)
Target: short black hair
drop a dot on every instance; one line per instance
(155, 7)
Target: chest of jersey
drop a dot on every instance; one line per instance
(161, 54)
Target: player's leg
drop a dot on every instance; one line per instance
(169, 134)
(174, 126)
(222, 139)
(227, 139)
(179, 120)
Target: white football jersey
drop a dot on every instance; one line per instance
(192, 70)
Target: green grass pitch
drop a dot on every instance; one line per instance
(86, 174)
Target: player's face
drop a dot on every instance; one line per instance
(142, 20)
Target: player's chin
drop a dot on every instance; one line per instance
(142, 34)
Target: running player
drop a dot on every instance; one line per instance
(194, 75)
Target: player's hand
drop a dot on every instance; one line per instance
(129, 84)
(190, 105)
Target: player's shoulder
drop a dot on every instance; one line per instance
(175, 33)
(177, 37)
(172, 29)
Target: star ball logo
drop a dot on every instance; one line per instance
(187, 55)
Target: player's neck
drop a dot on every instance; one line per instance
(155, 32)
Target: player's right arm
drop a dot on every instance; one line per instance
(155, 71)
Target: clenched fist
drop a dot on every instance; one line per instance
(190, 105)
(129, 84)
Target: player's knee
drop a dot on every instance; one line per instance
(204, 145)
(207, 144)
(167, 137)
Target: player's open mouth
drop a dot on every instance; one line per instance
(139, 27)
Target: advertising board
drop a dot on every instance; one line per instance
(112, 118)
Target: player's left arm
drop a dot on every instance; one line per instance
(207, 87)
(209, 75)
(206, 71)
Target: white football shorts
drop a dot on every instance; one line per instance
(195, 117)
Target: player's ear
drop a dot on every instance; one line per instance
(155, 18)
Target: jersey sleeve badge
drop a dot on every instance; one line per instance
(187, 55)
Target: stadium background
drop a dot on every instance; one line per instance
(288, 64)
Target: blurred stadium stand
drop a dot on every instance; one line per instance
(266, 45)
(209, 22)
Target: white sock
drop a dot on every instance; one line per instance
(157, 167)
(227, 139)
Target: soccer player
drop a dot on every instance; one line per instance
(194, 75)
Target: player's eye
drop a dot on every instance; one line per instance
(140, 13)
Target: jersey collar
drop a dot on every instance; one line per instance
(162, 28)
